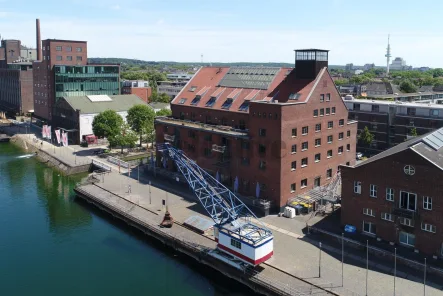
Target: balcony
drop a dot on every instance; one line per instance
(405, 213)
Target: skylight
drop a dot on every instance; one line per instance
(244, 106)
(211, 102)
(195, 100)
(182, 101)
(294, 96)
(227, 104)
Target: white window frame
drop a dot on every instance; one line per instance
(332, 124)
(303, 144)
(368, 212)
(304, 165)
(235, 243)
(332, 139)
(427, 203)
(387, 217)
(293, 151)
(406, 222)
(340, 150)
(319, 157)
(327, 154)
(416, 200)
(357, 187)
(341, 136)
(302, 130)
(315, 141)
(428, 227)
(363, 228)
(373, 190)
(301, 183)
(390, 193)
(294, 162)
(407, 235)
(292, 190)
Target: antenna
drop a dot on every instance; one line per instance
(388, 56)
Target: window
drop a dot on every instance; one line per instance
(208, 138)
(293, 165)
(304, 183)
(356, 106)
(304, 162)
(182, 101)
(330, 139)
(329, 154)
(322, 112)
(315, 112)
(304, 146)
(433, 112)
(294, 149)
(235, 243)
(262, 132)
(58, 48)
(317, 157)
(318, 127)
(328, 97)
(244, 106)
(69, 58)
(317, 142)
(411, 111)
(58, 58)
(409, 170)
(348, 134)
(245, 161)
(78, 58)
(304, 130)
(357, 187)
(211, 102)
(79, 49)
(369, 228)
(348, 147)
(262, 165)
(341, 122)
(408, 201)
(368, 212)
(406, 222)
(245, 145)
(427, 203)
(261, 149)
(340, 136)
(387, 217)
(407, 238)
(340, 150)
(294, 96)
(333, 110)
(68, 48)
(208, 151)
(322, 98)
(373, 190)
(294, 132)
(428, 227)
(389, 194)
(330, 124)
(227, 104)
(329, 173)
(328, 111)
(292, 187)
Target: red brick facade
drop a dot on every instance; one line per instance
(388, 174)
(262, 151)
(143, 93)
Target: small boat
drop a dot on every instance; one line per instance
(4, 138)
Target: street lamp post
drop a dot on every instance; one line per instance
(319, 261)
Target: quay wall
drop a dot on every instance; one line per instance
(194, 251)
(50, 160)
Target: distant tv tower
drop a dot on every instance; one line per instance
(202, 58)
(388, 57)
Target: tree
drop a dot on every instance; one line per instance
(407, 86)
(149, 132)
(125, 138)
(107, 124)
(341, 81)
(139, 117)
(413, 132)
(164, 112)
(366, 137)
(160, 98)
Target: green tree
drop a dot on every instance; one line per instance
(107, 124)
(366, 137)
(407, 86)
(160, 98)
(139, 117)
(164, 112)
(341, 81)
(125, 138)
(149, 132)
(413, 132)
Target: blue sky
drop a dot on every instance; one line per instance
(243, 30)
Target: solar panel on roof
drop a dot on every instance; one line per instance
(99, 98)
(435, 139)
(249, 77)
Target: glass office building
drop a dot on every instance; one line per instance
(75, 81)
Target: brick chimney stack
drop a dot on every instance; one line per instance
(39, 40)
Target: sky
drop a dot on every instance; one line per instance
(355, 31)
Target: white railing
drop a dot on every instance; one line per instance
(217, 148)
(118, 162)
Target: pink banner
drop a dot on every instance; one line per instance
(57, 134)
(44, 131)
(65, 139)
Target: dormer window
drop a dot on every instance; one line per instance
(211, 102)
(227, 104)
(193, 88)
(294, 96)
(244, 106)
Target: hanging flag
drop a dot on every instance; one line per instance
(57, 135)
(65, 139)
(44, 131)
(48, 133)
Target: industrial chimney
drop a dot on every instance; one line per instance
(39, 40)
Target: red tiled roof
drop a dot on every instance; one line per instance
(207, 80)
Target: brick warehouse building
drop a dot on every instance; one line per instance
(283, 129)
(396, 195)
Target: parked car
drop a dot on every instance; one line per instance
(359, 155)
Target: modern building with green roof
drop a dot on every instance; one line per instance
(76, 114)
